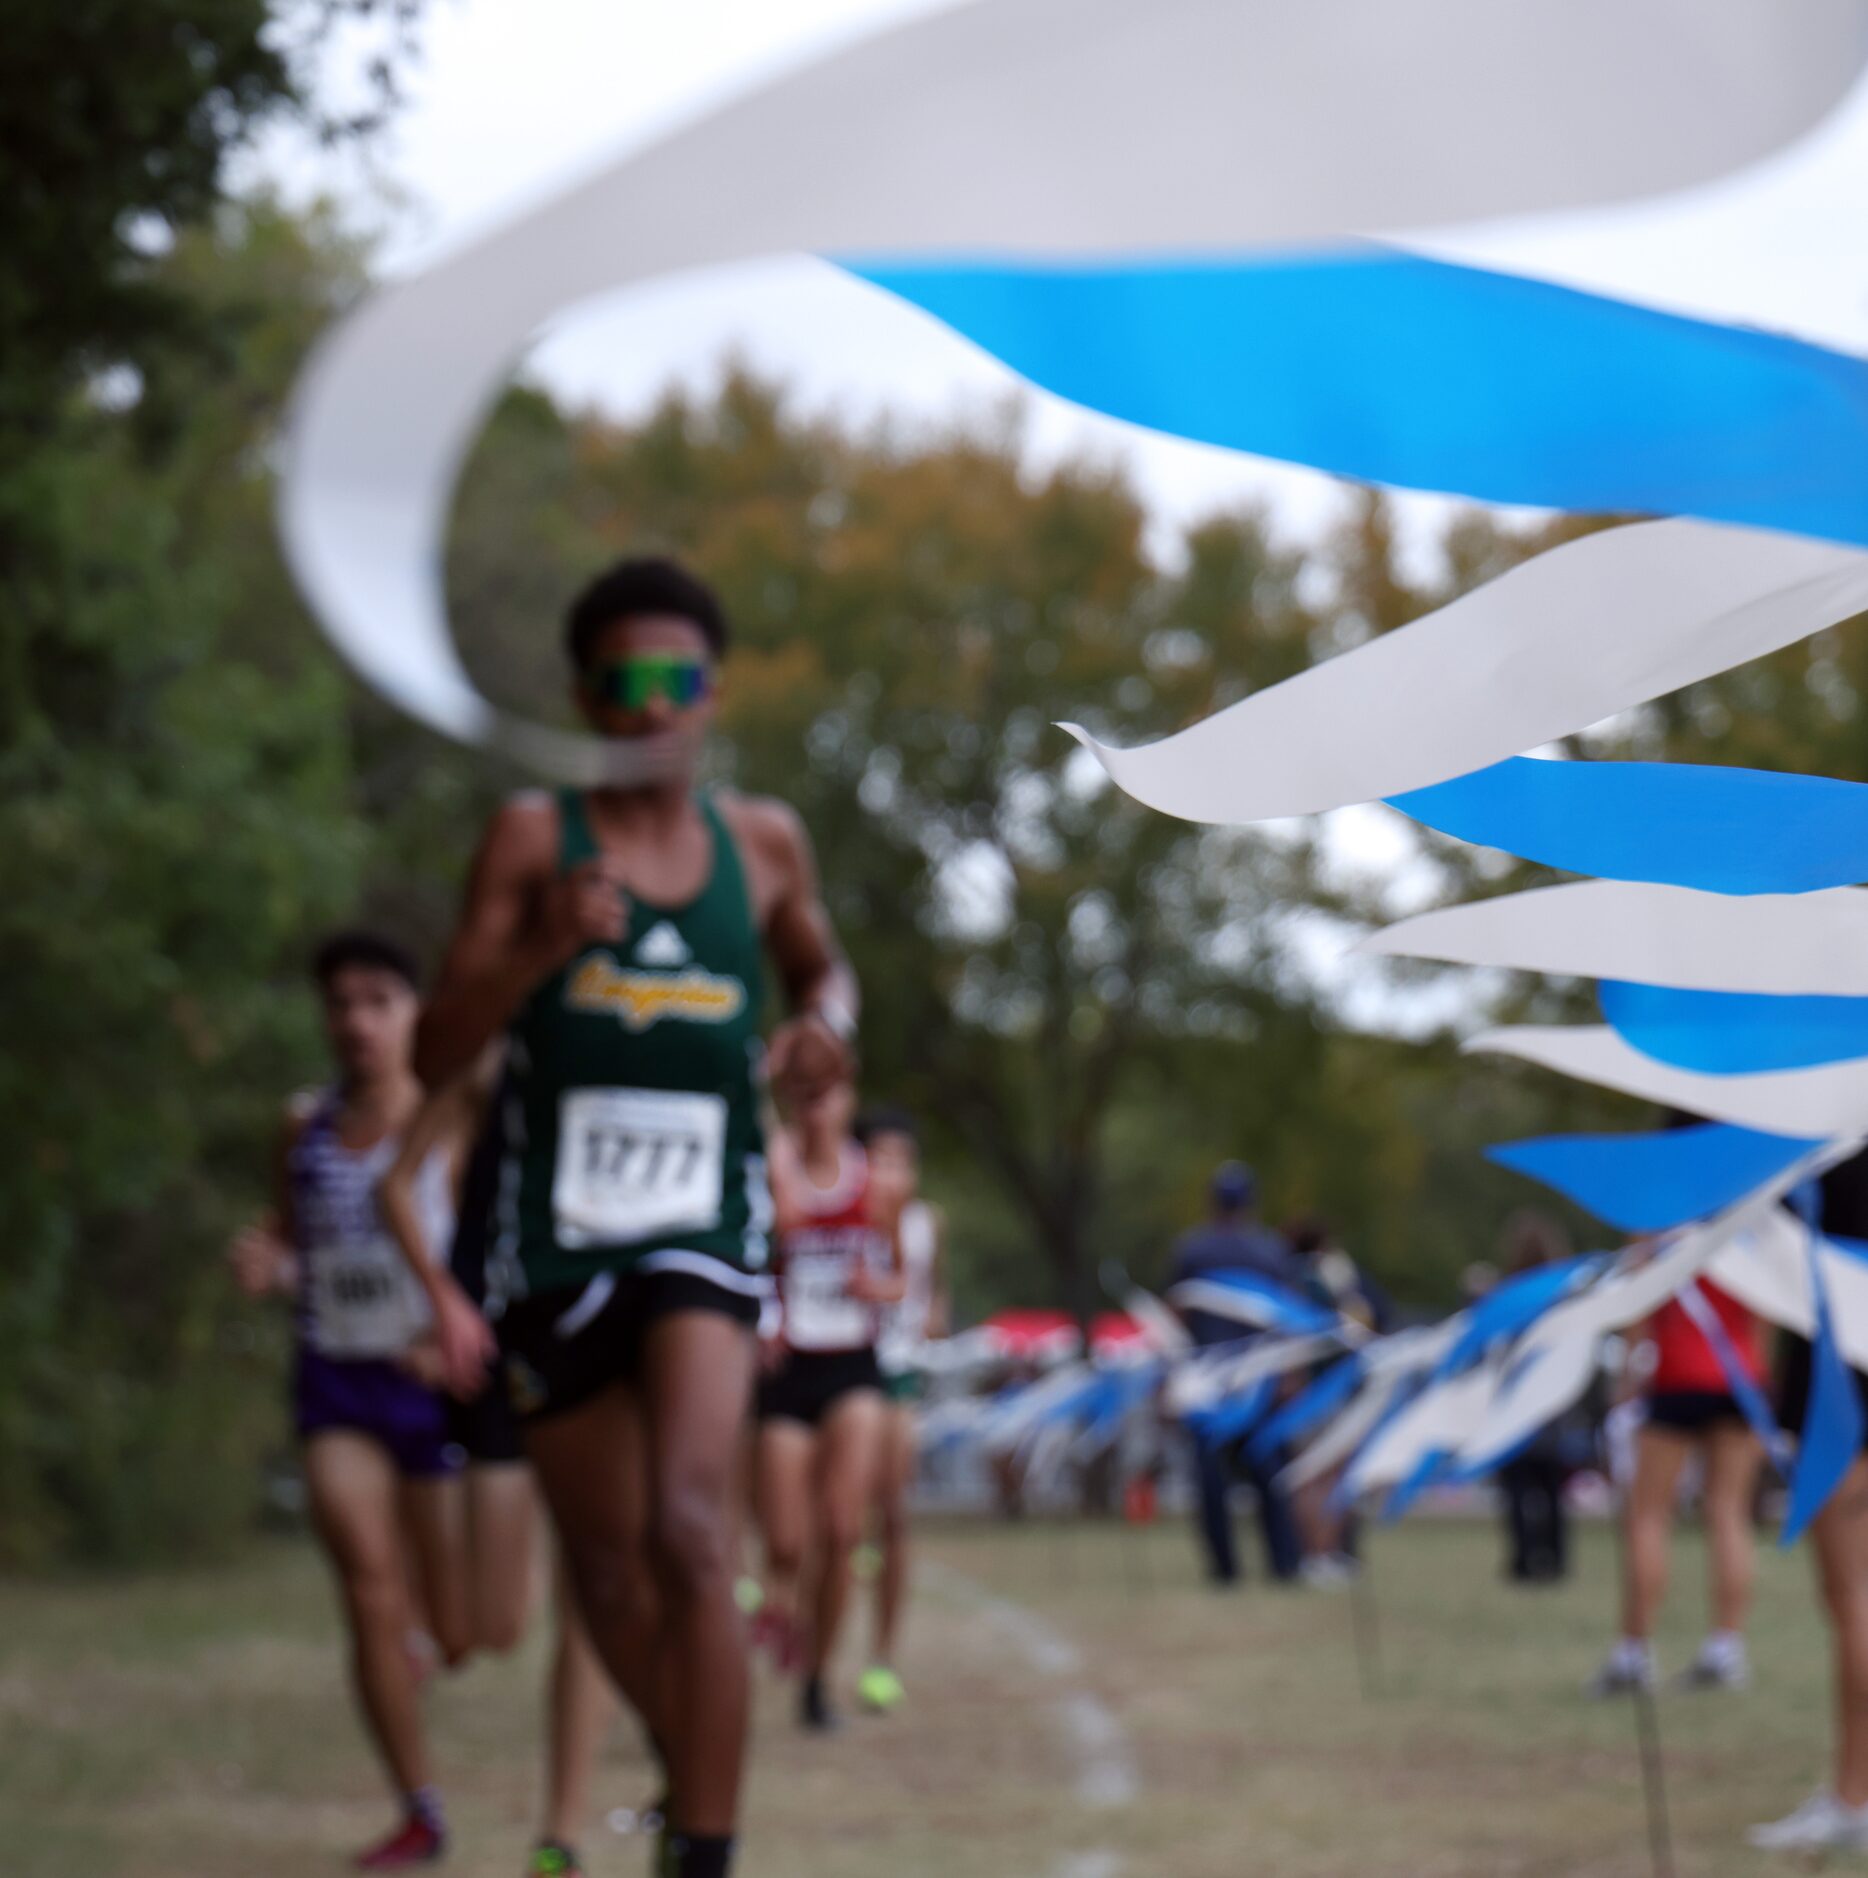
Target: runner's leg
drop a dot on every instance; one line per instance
(897, 1470)
(503, 1549)
(849, 1444)
(434, 1516)
(1733, 1456)
(1660, 1458)
(590, 1464)
(352, 1485)
(697, 1368)
(581, 1708)
(783, 1493)
(1841, 1534)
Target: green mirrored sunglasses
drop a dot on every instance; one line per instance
(634, 683)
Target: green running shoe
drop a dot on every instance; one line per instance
(552, 1858)
(880, 1690)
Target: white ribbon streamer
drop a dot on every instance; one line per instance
(1812, 1103)
(1813, 944)
(1389, 1364)
(1547, 649)
(1770, 1274)
(1437, 1421)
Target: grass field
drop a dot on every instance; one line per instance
(198, 1727)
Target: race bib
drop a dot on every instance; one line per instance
(362, 1301)
(637, 1164)
(820, 1314)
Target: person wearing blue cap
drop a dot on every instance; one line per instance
(1234, 1239)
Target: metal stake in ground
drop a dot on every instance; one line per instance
(1654, 1782)
(1647, 1730)
(1365, 1618)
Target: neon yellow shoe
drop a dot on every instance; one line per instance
(880, 1690)
(749, 1595)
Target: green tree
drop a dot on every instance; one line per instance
(174, 801)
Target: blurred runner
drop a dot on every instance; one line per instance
(377, 1453)
(495, 1519)
(1690, 1409)
(889, 1139)
(822, 1412)
(616, 935)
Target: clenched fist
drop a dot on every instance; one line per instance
(262, 1262)
(806, 1058)
(582, 908)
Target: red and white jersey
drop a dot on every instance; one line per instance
(825, 1236)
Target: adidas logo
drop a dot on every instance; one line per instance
(662, 945)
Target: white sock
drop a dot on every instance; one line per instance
(1722, 1646)
(1633, 1653)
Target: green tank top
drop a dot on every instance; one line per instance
(631, 1119)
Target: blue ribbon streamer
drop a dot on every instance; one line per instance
(1735, 1033)
(1650, 1182)
(1745, 1392)
(1276, 1306)
(1390, 368)
(1832, 1421)
(1229, 1419)
(1681, 824)
(1309, 1407)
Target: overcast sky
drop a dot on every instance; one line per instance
(510, 100)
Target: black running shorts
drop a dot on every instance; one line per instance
(809, 1383)
(486, 1429)
(1691, 1411)
(560, 1348)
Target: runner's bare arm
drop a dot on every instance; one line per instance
(445, 1122)
(521, 922)
(888, 1200)
(940, 1289)
(812, 1048)
(263, 1255)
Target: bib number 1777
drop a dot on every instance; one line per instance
(635, 1164)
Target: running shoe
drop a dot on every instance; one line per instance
(781, 1639)
(552, 1858)
(1821, 1824)
(1623, 1673)
(880, 1690)
(814, 1710)
(1717, 1667)
(417, 1841)
(627, 1822)
(1326, 1571)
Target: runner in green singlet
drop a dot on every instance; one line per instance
(619, 937)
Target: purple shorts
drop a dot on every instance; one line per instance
(374, 1397)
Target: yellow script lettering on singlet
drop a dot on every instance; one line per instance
(640, 999)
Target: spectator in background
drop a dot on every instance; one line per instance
(1688, 1349)
(1537, 1525)
(1334, 1280)
(1835, 1817)
(1234, 1239)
